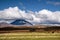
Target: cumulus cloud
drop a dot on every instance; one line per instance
(41, 17)
(47, 16)
(13, 13)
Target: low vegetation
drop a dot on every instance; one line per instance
(30, 36)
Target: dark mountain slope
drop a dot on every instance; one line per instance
(21, 22)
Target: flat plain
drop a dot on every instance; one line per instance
(29, 36)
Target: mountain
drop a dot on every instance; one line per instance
(4, 24)
(16, 23)
(21, 22)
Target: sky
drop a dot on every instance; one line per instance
(34, 11)
(32, 5)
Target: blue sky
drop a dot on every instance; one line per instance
(32, 5)
(36, 11)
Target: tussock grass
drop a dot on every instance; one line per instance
(30, 36)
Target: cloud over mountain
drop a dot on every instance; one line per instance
(43, 16)
(12, 13)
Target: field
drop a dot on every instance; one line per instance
(30, 36)
(30, 33)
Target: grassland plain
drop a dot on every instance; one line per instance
(30, 36)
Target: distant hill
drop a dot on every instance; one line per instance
(21, 22)
(18, 22)
(4, 24)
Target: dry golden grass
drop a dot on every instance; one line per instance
(29, 35)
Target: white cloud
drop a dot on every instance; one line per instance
(13, 13)
(49, 16)
(42, 16)
(9, 13)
